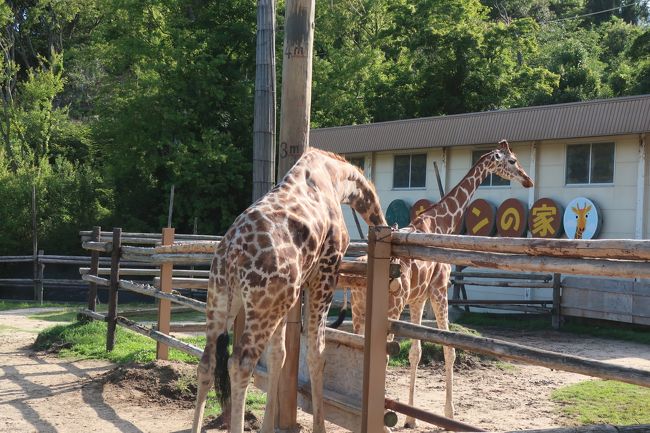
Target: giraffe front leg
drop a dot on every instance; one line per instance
(415, 354)
(320, 296)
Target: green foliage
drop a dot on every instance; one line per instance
(106, 105)
(605, 402)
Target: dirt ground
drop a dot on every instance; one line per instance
(41, 393)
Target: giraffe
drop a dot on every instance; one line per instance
(582, 213)
(422, 280)
(293, 237)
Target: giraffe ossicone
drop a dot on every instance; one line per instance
(422, 280)
(294, 237)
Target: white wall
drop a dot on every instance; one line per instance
(617, 202)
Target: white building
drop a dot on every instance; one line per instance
(594, 149)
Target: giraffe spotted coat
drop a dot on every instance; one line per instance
(294, 237)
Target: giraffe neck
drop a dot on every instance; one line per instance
(579, 232)
(444, 216)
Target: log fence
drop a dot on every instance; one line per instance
(366, 411)
(609, 258)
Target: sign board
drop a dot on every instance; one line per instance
(419, 207)
(582, 219)
(399, 213)
(480, 218)
(511, 219)
(545, 219)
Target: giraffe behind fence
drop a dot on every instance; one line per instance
(293, 237)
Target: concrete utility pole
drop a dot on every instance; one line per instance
(294, 140)
(265, 104)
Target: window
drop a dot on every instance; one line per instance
(410, 171)
(590, 163)
(359, 161)
(492, 179)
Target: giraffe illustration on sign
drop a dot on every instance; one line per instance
(294, 237)
(424, 280)
(582, 213)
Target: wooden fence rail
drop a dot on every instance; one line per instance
(615, 258)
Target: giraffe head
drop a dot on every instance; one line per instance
(504, 163)
(353, 188)
(581, 217)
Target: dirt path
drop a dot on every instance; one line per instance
(41, 393)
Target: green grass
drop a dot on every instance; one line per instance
(610, 402)
(594, 328)
(613, 331)
(86, 340)
(7, 304)
(508, 321)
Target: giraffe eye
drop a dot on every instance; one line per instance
(512, 161)
(576, 216)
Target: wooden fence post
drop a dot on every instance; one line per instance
(94, 267)
(38, 284)
(376, 331)
(556, 320)
(111, 318)
(164, 305)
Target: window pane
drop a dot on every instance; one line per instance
(359, 162)
(577, 163)
(498, 180)
(602, 163)
(401, 171)
(418, 170)
(476, 155)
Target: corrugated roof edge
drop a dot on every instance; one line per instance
(480, 113)
(586, 119)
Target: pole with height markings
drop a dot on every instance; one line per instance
(294, 140)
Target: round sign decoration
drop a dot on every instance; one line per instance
(511, 218)
(398, 212)
(419, 207)
(480, 218)
(582, 219)
(545, 219)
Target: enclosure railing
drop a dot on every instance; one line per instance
(610, 258)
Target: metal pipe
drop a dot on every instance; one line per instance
(431, 418)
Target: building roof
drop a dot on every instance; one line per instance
(604, 117)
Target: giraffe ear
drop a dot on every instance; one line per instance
(503, 145)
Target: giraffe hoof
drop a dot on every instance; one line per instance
(410, 423)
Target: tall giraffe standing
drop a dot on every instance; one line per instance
(293, 237)
(422, 280)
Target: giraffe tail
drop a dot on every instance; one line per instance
(221, 377)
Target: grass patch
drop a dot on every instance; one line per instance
(604, 401)
(432, 352)
(87, 340)
(8, 304)
(613, 331)
(507, 321)
(529, 322)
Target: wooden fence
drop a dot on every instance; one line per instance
(608, 258)
(38, 280)
(346, 386)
